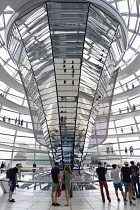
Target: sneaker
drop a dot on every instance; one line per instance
(133, 204)
(11, 200)
(125, 201)
(103, 201)
(133, 198)
(109, 200)
(118, 199)
(53, 204)
(57, 204)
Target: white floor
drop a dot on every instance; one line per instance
(82, 200)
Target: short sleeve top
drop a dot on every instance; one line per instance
(13, 174)
(101, 171)
(55, 171)
(126, 174)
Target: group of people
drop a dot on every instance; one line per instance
(129, 176)
(133, 108)
(132, 129)
(66, 178)
(131, 150)
(109, 150)
(17, 121)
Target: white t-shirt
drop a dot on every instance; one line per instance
(115, 174)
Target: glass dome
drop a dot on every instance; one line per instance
(69, 82)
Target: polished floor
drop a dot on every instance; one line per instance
(81, 200)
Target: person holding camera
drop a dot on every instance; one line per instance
(13, 181)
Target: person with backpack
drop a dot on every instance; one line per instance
(12, 174)
(135, 178)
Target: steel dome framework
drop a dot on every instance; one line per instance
(66, 59)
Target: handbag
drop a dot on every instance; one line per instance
(63, 186)
(63, 178)
(59, 191)
(63, 181)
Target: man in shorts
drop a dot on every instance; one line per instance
(115, 174)
(55, 172)
(126, 174)
(13, 181)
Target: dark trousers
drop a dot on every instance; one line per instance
(103, 184)
(137, 186)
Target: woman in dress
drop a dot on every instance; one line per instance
(67, 177)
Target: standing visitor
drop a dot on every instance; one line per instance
(2, 167)
(135, 178)
(15, 121)
(34, 167)
(134, 107)
(21, 123)
(108, 150)
(131, 150)
(13, 181)
(115, 174)
(132, 129)
(26, 124)
(67, 177)
(125, 150)
(126, 172)
(101, 171)
(127, 108)
(138, 164)
(120, 111)
(55, 172)
(127, 86)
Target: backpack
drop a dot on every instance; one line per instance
(9, 173)
(134, 171)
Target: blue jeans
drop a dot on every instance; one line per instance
(137, 186)
(12, 185)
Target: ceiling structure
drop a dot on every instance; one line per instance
(66, 58)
